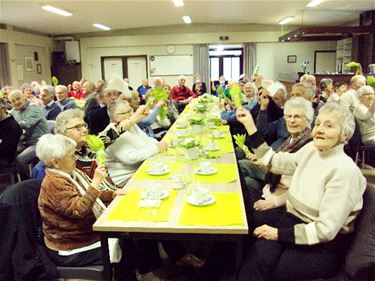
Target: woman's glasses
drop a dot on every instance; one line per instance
(78, 127)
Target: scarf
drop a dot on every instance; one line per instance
(290, 146)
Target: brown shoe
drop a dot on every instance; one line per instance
(189, 260)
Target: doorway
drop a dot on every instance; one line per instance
(4, 69)
(132, 67)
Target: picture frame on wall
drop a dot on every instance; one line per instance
(29, 63)
(39, 68)
(292, 59)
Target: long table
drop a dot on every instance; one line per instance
(178, 219)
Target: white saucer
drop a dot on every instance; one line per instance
(158, 173)
(212, 148)
(212, 171)
(181, 126)
(164, 194)
(211, 199)
(221, 136)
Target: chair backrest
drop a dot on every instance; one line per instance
(360, 259)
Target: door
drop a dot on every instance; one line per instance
(137, 70)
(325, 62)
(112, 67)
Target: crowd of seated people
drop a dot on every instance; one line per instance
(293, 137)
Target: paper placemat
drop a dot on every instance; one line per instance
(225, 173)
(225, 211)
(174, 167)
(128, 210)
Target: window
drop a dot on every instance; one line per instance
(227, 62)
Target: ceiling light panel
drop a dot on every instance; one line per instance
(178, 3)
(186, 19)
(314, 3)
(101, 26)
(56, 11)
(286, 20)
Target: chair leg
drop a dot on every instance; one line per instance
(363, 158)
(356, 157)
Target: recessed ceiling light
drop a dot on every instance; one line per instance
(178, 3)
(186, 19)
(56, 11)
(286, 20)
(314, 3)
(101, 26)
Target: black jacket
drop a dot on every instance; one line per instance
(23, 255)
(10, 133)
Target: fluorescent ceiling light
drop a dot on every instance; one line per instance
(186, 19)
(178, 3)
(56, 11)
(286, 20)
(314, 3)
(101, 26)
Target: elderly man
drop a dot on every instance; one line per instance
(142, 90)
(182, 94)
(88, 88)
(62, 98)
(50, 107)
(350, 99)
(10, 133)
(31, 119)
(364, 114)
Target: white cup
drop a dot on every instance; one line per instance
(205, 167)
(182, 133)
(154, 191)
(211, 145)
(211, 125)
(175, 142)
(200, 194)
(216, 134)
(157, 167)
(177, 180)
(182, 124)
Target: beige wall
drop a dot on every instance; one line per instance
(272, 57)
(21, 44)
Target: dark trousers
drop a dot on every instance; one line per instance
(273, 260)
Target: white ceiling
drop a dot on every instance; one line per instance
(127, 14)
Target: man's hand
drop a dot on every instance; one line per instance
(264, 100)
(253, 158)
(247, 120)
(262, 205)
(266, 232)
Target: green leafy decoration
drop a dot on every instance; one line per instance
(189, 143)
(355, 64)
(157, 94)
(97, 145)
(196, 121)
(240, 141)
(236, 95)
(371, 81)
(54, 81)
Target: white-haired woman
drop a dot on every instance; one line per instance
(324, 198)
(364, 114)
(128, 152)
(68, 208)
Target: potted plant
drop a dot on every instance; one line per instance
(191, 148)
(197, 125)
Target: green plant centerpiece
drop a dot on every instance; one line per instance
(192, 148)
(197, 124)
(205, 99)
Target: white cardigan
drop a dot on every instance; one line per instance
(127, 153)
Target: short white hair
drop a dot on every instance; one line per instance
(302, 103)
(49, 89)
(113, 108)
(61, 88)
(308, 88)
(181, 77)
(344, 115)
(365, 90)
(64, 117)
(51, 147)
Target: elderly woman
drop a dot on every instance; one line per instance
(32, 121)
(298, 114)
(326, 91)
(69, 208)
(128, 152)
(364, 114)
(27, 91)
(63, 101)
(324, 198)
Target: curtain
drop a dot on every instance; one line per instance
(202, 63)
(249, 57)
(4, 75)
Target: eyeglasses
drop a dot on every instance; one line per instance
(78, 127)
(296, 117)
(125, 112)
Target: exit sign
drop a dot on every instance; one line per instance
(224, 38)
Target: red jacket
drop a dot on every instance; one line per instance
(77, 95)
(180, 94)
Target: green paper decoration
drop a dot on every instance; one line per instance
(97, 145)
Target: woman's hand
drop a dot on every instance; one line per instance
(266, 232)
(264, 100)
(162, 146)
(244, 116)
(99, 174)
(262, 205)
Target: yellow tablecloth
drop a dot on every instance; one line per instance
(225, 173)
(174, 167)
(128, 210)
(225, 211)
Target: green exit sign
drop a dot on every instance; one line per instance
(224, 38)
